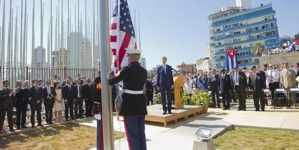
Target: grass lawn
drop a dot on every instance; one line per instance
(58, 137)
(258, 139)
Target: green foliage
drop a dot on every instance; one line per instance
(158, 97)
(185, 97)
(258, 48)
(204, 98)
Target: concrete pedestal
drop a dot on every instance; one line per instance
(206, 145)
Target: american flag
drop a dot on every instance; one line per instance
(122, 34)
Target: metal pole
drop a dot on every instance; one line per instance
(105, 60)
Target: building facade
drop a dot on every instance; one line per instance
(39, 57)
(203, 64)
(61, 58)
(186, 68)
(80, 51)
(239, 28)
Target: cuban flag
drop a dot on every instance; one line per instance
(231, 59)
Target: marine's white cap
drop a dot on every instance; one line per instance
(131, 51)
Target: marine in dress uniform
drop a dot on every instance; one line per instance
(98, 111)
(134, 103)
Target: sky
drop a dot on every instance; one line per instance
(177, 29)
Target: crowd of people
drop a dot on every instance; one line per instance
(54, 98)
(239, 84)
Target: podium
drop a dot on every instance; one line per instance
(178, 84)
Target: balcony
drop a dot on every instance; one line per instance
(246, 17)
(223, 52)
(245, 41)
(246, 56)
(245, 33)
(245, 26)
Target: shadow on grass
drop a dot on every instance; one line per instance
(36, 132)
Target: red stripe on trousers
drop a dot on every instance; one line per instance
(122, 50)
(127, 133)
(101, 136)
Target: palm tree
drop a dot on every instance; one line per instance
(258, 48)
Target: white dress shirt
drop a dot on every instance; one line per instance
(274, 74)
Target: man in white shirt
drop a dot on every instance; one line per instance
(272, 77)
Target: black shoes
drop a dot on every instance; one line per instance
(40, 125)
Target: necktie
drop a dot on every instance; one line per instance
(271, 80)
(70, 88)
(236, 78)
(164, 68)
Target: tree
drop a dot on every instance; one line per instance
(258, 48)
(297, 36)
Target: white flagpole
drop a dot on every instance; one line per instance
(50, 52)
(3, 39)
(85, 39)
(33, 38)
(21, 36)
(105, 67)
(16, 54)
(79, 35)
(139, 38)
(62, 34)
(56, 32)
(93, 38)
(9, 50)
(41, 24)
(25, 42)
(118, 35)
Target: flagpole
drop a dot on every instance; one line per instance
(21, 36)
(139, 39)
(8, 61)
(85, 49)
(3, 39)
(118, 35)
(93, 38)
(51, 35)
(33, 38)
(24, 59)
(106, 93)
(16, 41)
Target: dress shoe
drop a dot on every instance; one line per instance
(240, 109)
(11, 130)
(40, 125)
(18, 128)
(257, 110)
(263, 109)
(224, 109)
(170, 112)
(24, 127)
(32, 126)
(51, 123)
(164, 113)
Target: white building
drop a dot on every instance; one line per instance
(143, 62)
(39, 57)
(243, 3)
(80, 51)
(203, 64)
(96, 56)
(61, 58)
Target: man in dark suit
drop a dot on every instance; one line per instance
(226, 88)
(49, 100)
(257, 83)
(165, 84)
(240, 87)
(214, 87)
(69, 96)
(21, 105)
(36, 96)
(79, 99)
(263, 74)
(6, 105)
(88, 97)
(149, 90)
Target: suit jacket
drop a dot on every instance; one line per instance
(164, 79)
(36, 94)
(225, 83)
(214, 85)
(69, 94)
(46, 94)
(288, 78)
(19, 96)
(6, 100)
(87, 91)
(149, 87)
(257, 81)
(242, 80)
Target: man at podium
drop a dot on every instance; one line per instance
(165, 84)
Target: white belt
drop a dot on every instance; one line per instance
(132, 92)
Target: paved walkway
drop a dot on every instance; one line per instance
(181, 135)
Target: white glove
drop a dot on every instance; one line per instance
(98, 116)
